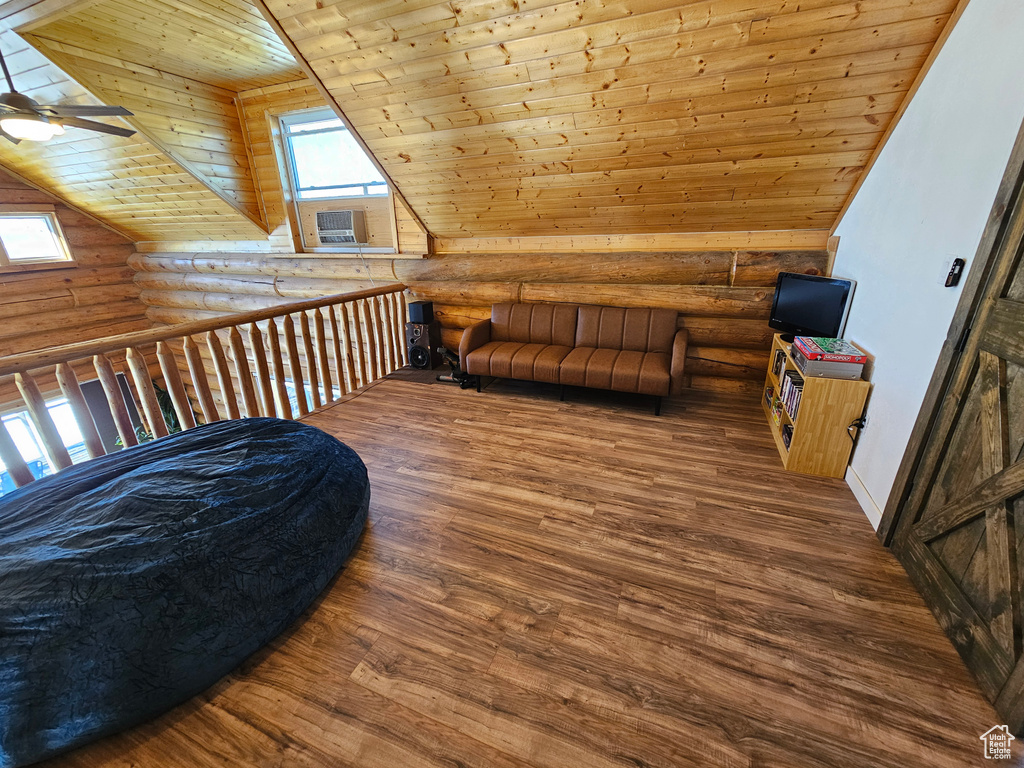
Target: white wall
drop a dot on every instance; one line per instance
(925, 200)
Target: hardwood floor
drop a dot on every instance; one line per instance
(583, 584)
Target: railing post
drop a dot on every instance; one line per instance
(325, 362)
(259, 353)
(220, 365)
(357, 336)
(252, 408)
(115, 400)
(175, 387)
(200, 382)
(12, 459)
(295, 364)
(69, 386)
(150, 405)
(52, 442)
(284, 407)
(339, 356)
(307, 346)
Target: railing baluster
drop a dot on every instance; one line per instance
(150, 405)
(252, 406)
(284, 408)
(220, 365)
(175, 386)
(52, 443)
(294, 364)
(371, 348)
(389, 331)
(198, 371)
(397, 327)
(307, 346)
(357, 340)
(403, 318)
(115, 400)
(69, 386)
(13, 460)
(259, 353)
(325, 362)
(382, 352)
(339, 356)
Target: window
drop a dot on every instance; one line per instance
(324, 159)
(30, 444)
(30, 237)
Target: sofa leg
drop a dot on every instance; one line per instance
(478, 383)
(657, 406)
(561, 392)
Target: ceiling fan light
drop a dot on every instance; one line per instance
(29, 128)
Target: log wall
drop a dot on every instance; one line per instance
(724, 296)
(94, 298)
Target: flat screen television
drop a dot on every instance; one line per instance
(809, 305)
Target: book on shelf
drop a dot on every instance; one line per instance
(778, 362)
(768, 394)
(790, 392)
(787, 434)
(829, 350)
(776, 410)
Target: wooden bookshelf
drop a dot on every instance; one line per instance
(820, 444)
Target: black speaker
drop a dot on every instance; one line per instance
(421, 311)
(422, 341)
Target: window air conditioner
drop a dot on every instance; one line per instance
(340, 227)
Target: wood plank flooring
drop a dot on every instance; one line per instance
(572, 584)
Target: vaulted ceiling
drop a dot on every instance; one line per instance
(492, 117)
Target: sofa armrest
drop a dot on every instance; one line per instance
(678, 360)
(474, 337)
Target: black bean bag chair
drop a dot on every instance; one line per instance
(132, 582)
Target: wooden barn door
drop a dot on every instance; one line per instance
(959, 530)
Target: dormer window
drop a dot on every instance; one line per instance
(31, 238)
(324, 159)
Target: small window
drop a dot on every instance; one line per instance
(31, 237)
(324, 159)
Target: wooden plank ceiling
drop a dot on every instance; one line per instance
(177, 66)
(537, 117)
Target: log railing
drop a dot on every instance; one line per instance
(224, 368)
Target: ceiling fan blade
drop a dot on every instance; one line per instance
(71, 110)
(8, 136)
(92, 125)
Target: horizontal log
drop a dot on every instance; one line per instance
(469, 294)
(691, 268)
(733, 386)
(41, 302)
(689, 299)
(727, 332)
(255, 285)
(726, 363)
(450, 316)
(78, 276)
(49, 328)
(291, 265)
(223, 302)
(761, 268)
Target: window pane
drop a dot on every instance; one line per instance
(331, 160)
(29, 238)
(315, 125)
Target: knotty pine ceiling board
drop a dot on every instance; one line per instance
(223, 43)
(129, 184)
(532, 117)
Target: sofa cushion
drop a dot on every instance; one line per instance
(620, 370)
(636, 329)
(513, 360)
(534, 323)
(493, 359)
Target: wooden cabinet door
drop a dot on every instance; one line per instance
(960, 529)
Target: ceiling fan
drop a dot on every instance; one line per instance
(23, 118)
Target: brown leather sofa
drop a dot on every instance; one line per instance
(626, 350)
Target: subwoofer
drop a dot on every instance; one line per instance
(422, 341)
